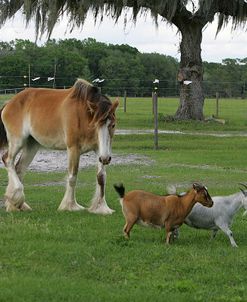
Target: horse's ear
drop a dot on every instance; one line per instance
(95, 89)
(115, 105)
(93, 92)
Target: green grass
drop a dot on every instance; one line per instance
(51, 256)
(5, 97)
(139, 112)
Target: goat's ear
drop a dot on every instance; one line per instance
(197, 187)
(244, 192)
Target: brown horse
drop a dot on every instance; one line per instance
(78, 120)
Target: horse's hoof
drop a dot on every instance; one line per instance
(77, 207)
(25, 207)
(101, 210)
(71, 207)
(10, 207)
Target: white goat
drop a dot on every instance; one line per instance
(219, 216)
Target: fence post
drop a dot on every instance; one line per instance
(155, 107)
(155, 111)
(217, 104)
(152, 102)
(125, 100)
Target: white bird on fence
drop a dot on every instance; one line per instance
(187, 82)
(98, 80)
(156, 81)
(35, 79)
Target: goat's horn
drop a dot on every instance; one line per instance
(242, 184)
(244, 192)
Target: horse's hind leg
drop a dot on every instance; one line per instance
(98, 203)
(69, 200)
(28, 153)
(29, 150)
(14, 195)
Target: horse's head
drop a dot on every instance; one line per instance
(104, 121)
(101, 115)
(106, 131)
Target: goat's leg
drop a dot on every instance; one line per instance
(168, 232)
(213, 234)
(175, 234)
(168, 237)
(228, 232)
(128, 226)
(126, 232)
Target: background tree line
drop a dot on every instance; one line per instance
(123, 67)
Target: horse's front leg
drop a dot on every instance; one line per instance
(98, 203)
(69, 200)
(14, 195)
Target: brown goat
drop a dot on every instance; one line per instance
(167, 211)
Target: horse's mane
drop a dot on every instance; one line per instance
(103, 109)
(82, 89)
(85, 91)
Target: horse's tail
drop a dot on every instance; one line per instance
(3, 134)
(120, 189)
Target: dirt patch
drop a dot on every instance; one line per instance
(49, 161)
(206, 167)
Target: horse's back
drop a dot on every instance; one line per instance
(35, 96)
(35, 112)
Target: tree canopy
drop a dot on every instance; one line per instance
(47, 13)
(189, 16)
(123, 67)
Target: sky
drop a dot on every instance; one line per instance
(144, 36)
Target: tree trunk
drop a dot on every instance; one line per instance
(190, 74)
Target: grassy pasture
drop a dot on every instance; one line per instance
(51, 256)
(139, 112)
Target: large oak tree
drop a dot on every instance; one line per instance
(189, 21)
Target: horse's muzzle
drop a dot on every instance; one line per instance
(105, 160)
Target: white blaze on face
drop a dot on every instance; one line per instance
(104, 141)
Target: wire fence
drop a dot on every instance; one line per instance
(127, 87)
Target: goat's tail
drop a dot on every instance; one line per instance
(120, 189)
(3, 134)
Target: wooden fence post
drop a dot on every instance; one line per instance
(217, 104)
(125, 100)
(152, 102)
(155, 107)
